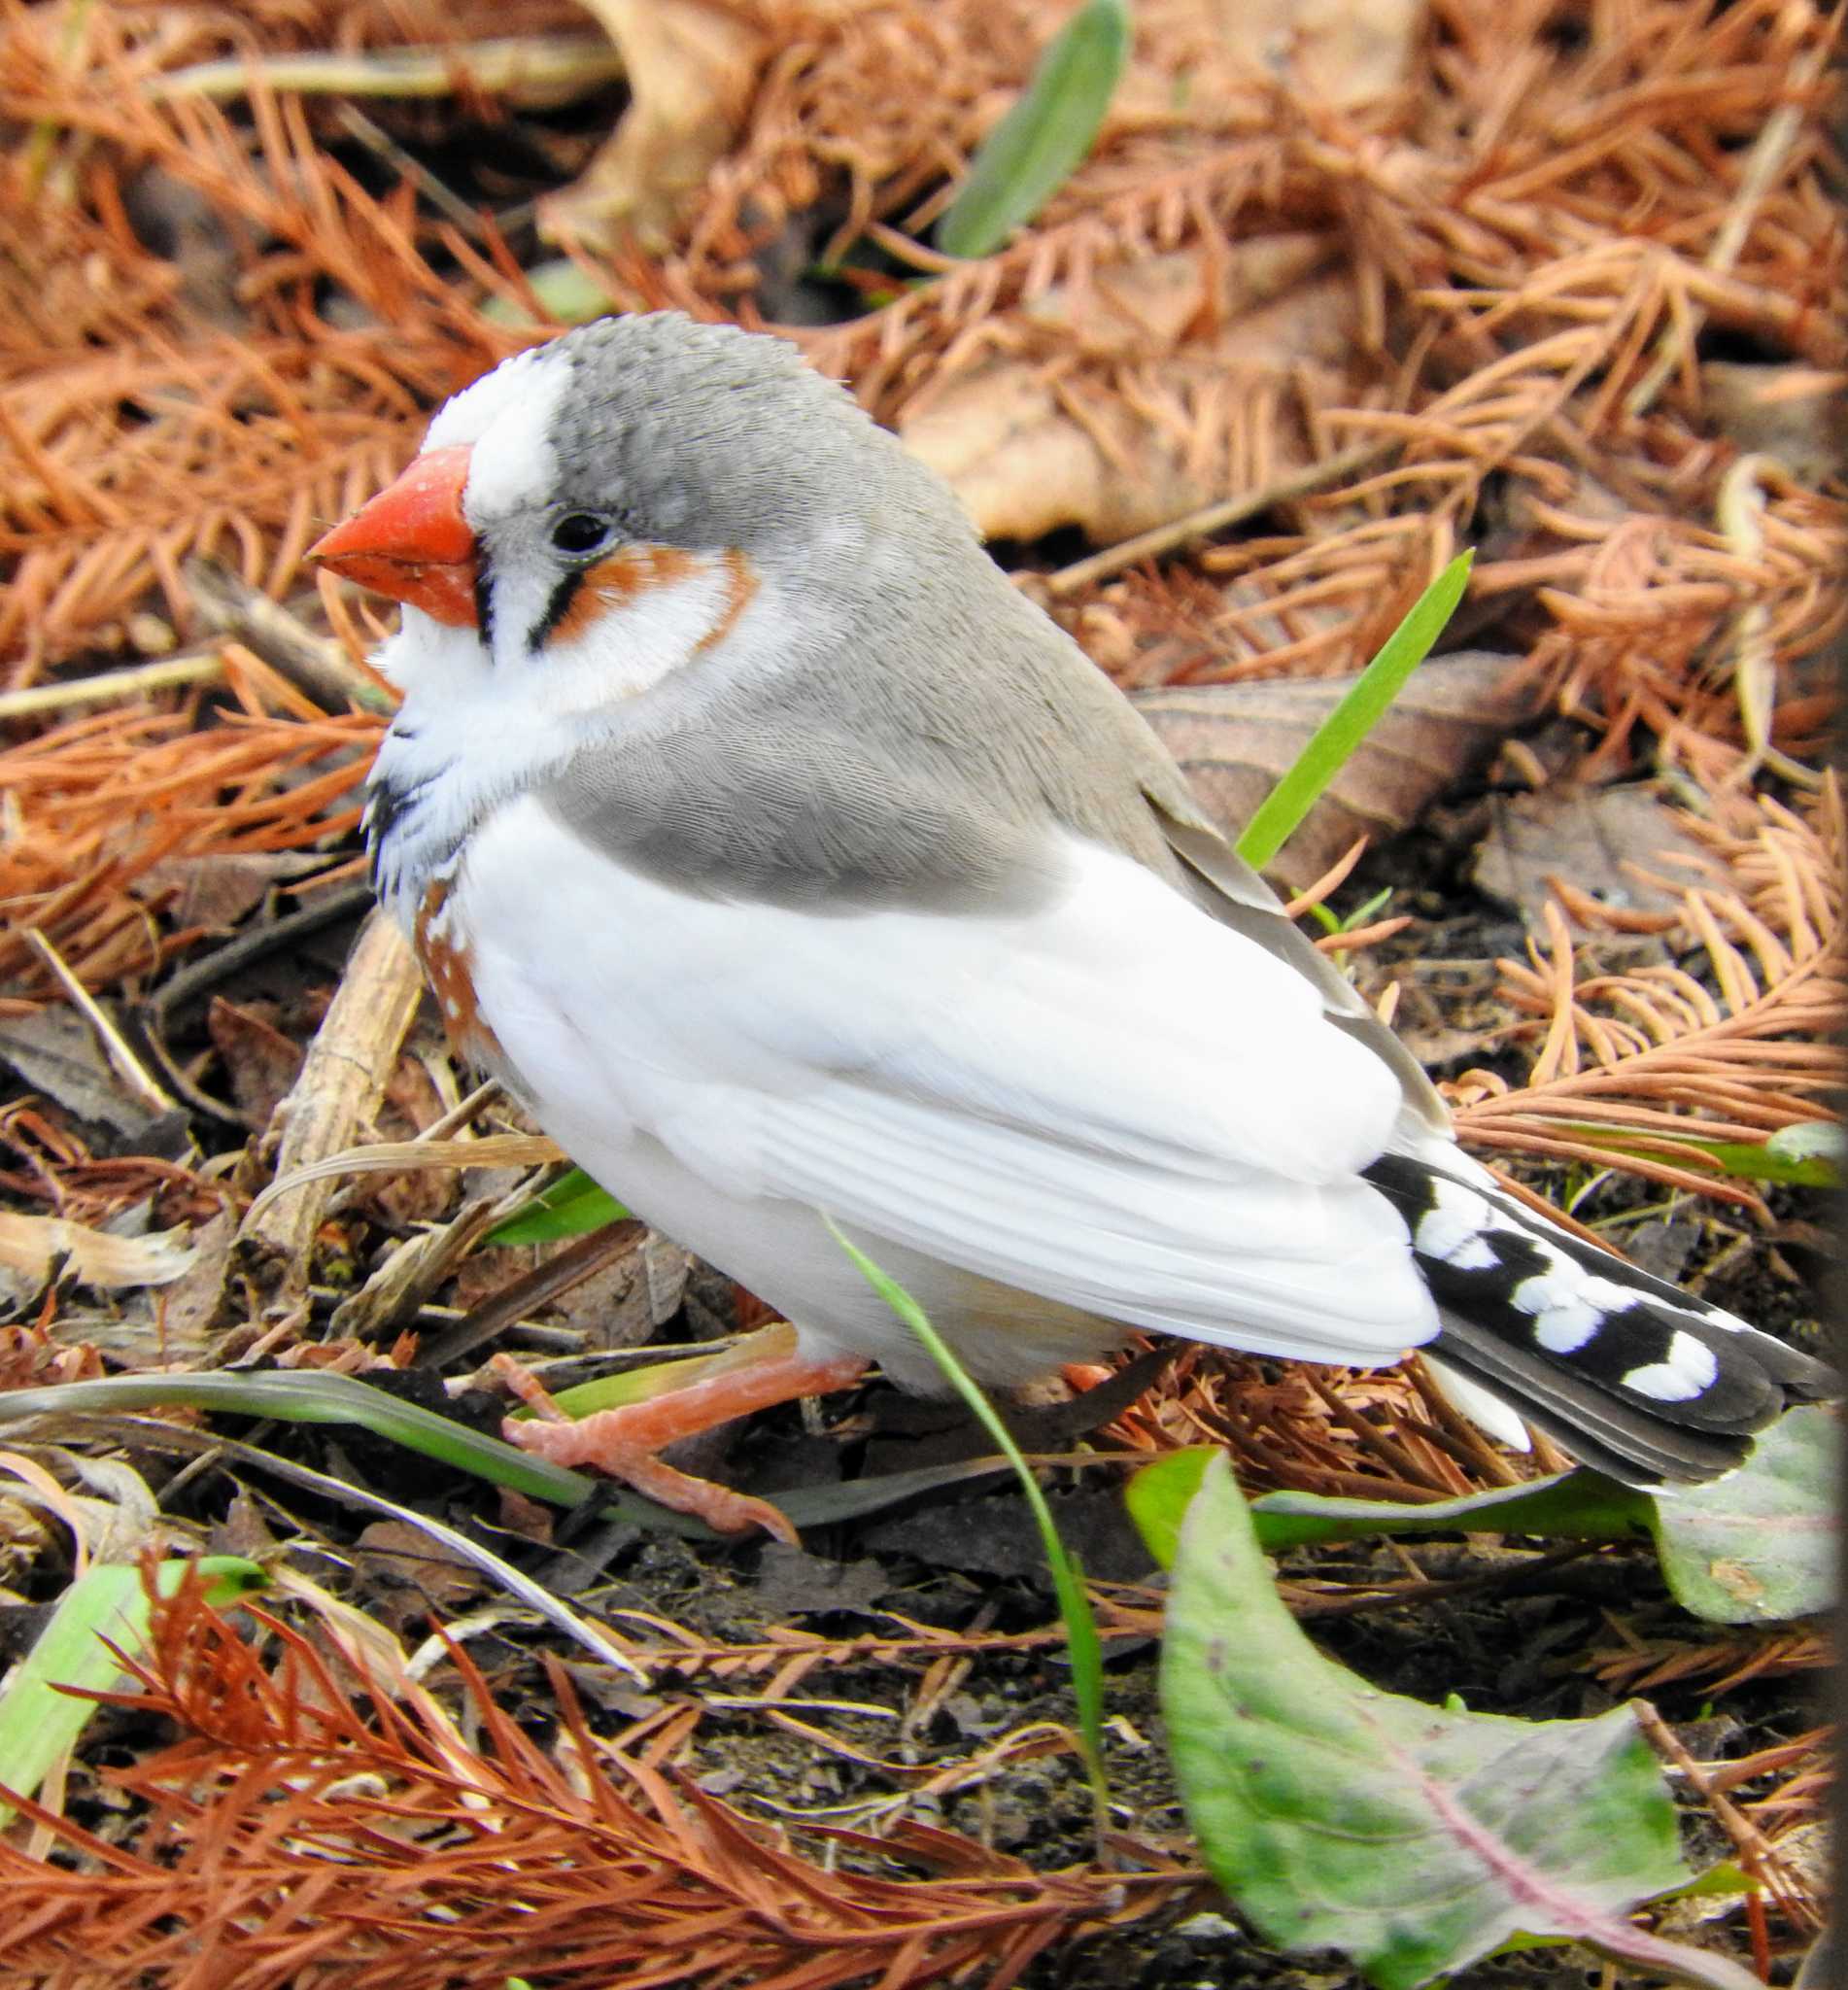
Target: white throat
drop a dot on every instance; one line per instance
(475, 731)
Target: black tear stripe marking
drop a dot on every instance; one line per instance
(1583, 1395)
(557, 607)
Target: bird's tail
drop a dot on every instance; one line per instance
(1630, 1374)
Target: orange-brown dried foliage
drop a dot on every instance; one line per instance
(306, 1826)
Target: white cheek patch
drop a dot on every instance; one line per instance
(629, 650)
(1689, 1368)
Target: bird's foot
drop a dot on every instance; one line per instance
(762, 1369)
(1080, 1376)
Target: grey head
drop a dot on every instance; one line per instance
(707, 437)
(655, 430)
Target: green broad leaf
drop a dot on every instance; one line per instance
(1582, 1505)
(1724, 1881)
(1762, 1543)
(572, 1206)
(1755, 1547)
(1579, 1506)
(1159, 1494)
(1281, 812)
(1044, 139)
(1410, 1838)
(1083, 1647)
(40, 1719)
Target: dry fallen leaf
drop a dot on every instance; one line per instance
(216, 892)
(30, 1246)
(259, 1061)
(1798, 415)
(1234, 741)
(58, 1056)
(1605, 842)
(1194, 376)
(692, 67)
(408, 1574)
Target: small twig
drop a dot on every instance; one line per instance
(462, 1114)
(341, 1083)
(549, 69)
(1760, 1858)
(414, 1270)
(537, 1287)
(320, 669)
(410, 167)
(106, 687)
(205, 974)
(1215, 518)
(1766, 157)
(122, 1061)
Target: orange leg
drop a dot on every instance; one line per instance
(763, 1369)
(1083, 1375)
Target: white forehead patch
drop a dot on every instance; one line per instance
(505, 416)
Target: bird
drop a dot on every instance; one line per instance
(806, 880)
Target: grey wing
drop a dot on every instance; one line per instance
(1225, 885)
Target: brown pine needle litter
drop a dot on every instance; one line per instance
(1563, 283)
(310, 1828)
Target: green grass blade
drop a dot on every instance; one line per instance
(1075, 1606)
(571, 1207)
(1037, 147)
(301, 1395)
(1798, 1161)
(1283, 810)
(39, 1718)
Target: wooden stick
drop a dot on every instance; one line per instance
(316, 666)
(105, 686)
(1215, 518)
(341, 1083)
(122, 1061)
(533, 68)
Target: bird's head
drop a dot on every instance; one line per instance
(596, 513)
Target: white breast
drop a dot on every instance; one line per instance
(1113, 1103)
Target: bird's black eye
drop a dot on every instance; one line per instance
(580, 532)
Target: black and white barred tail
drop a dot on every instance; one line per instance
(1630, 1374)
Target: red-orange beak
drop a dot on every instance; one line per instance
(412, 541)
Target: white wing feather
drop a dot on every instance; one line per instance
(1044, 1099)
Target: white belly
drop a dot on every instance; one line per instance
(1032, 1122)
